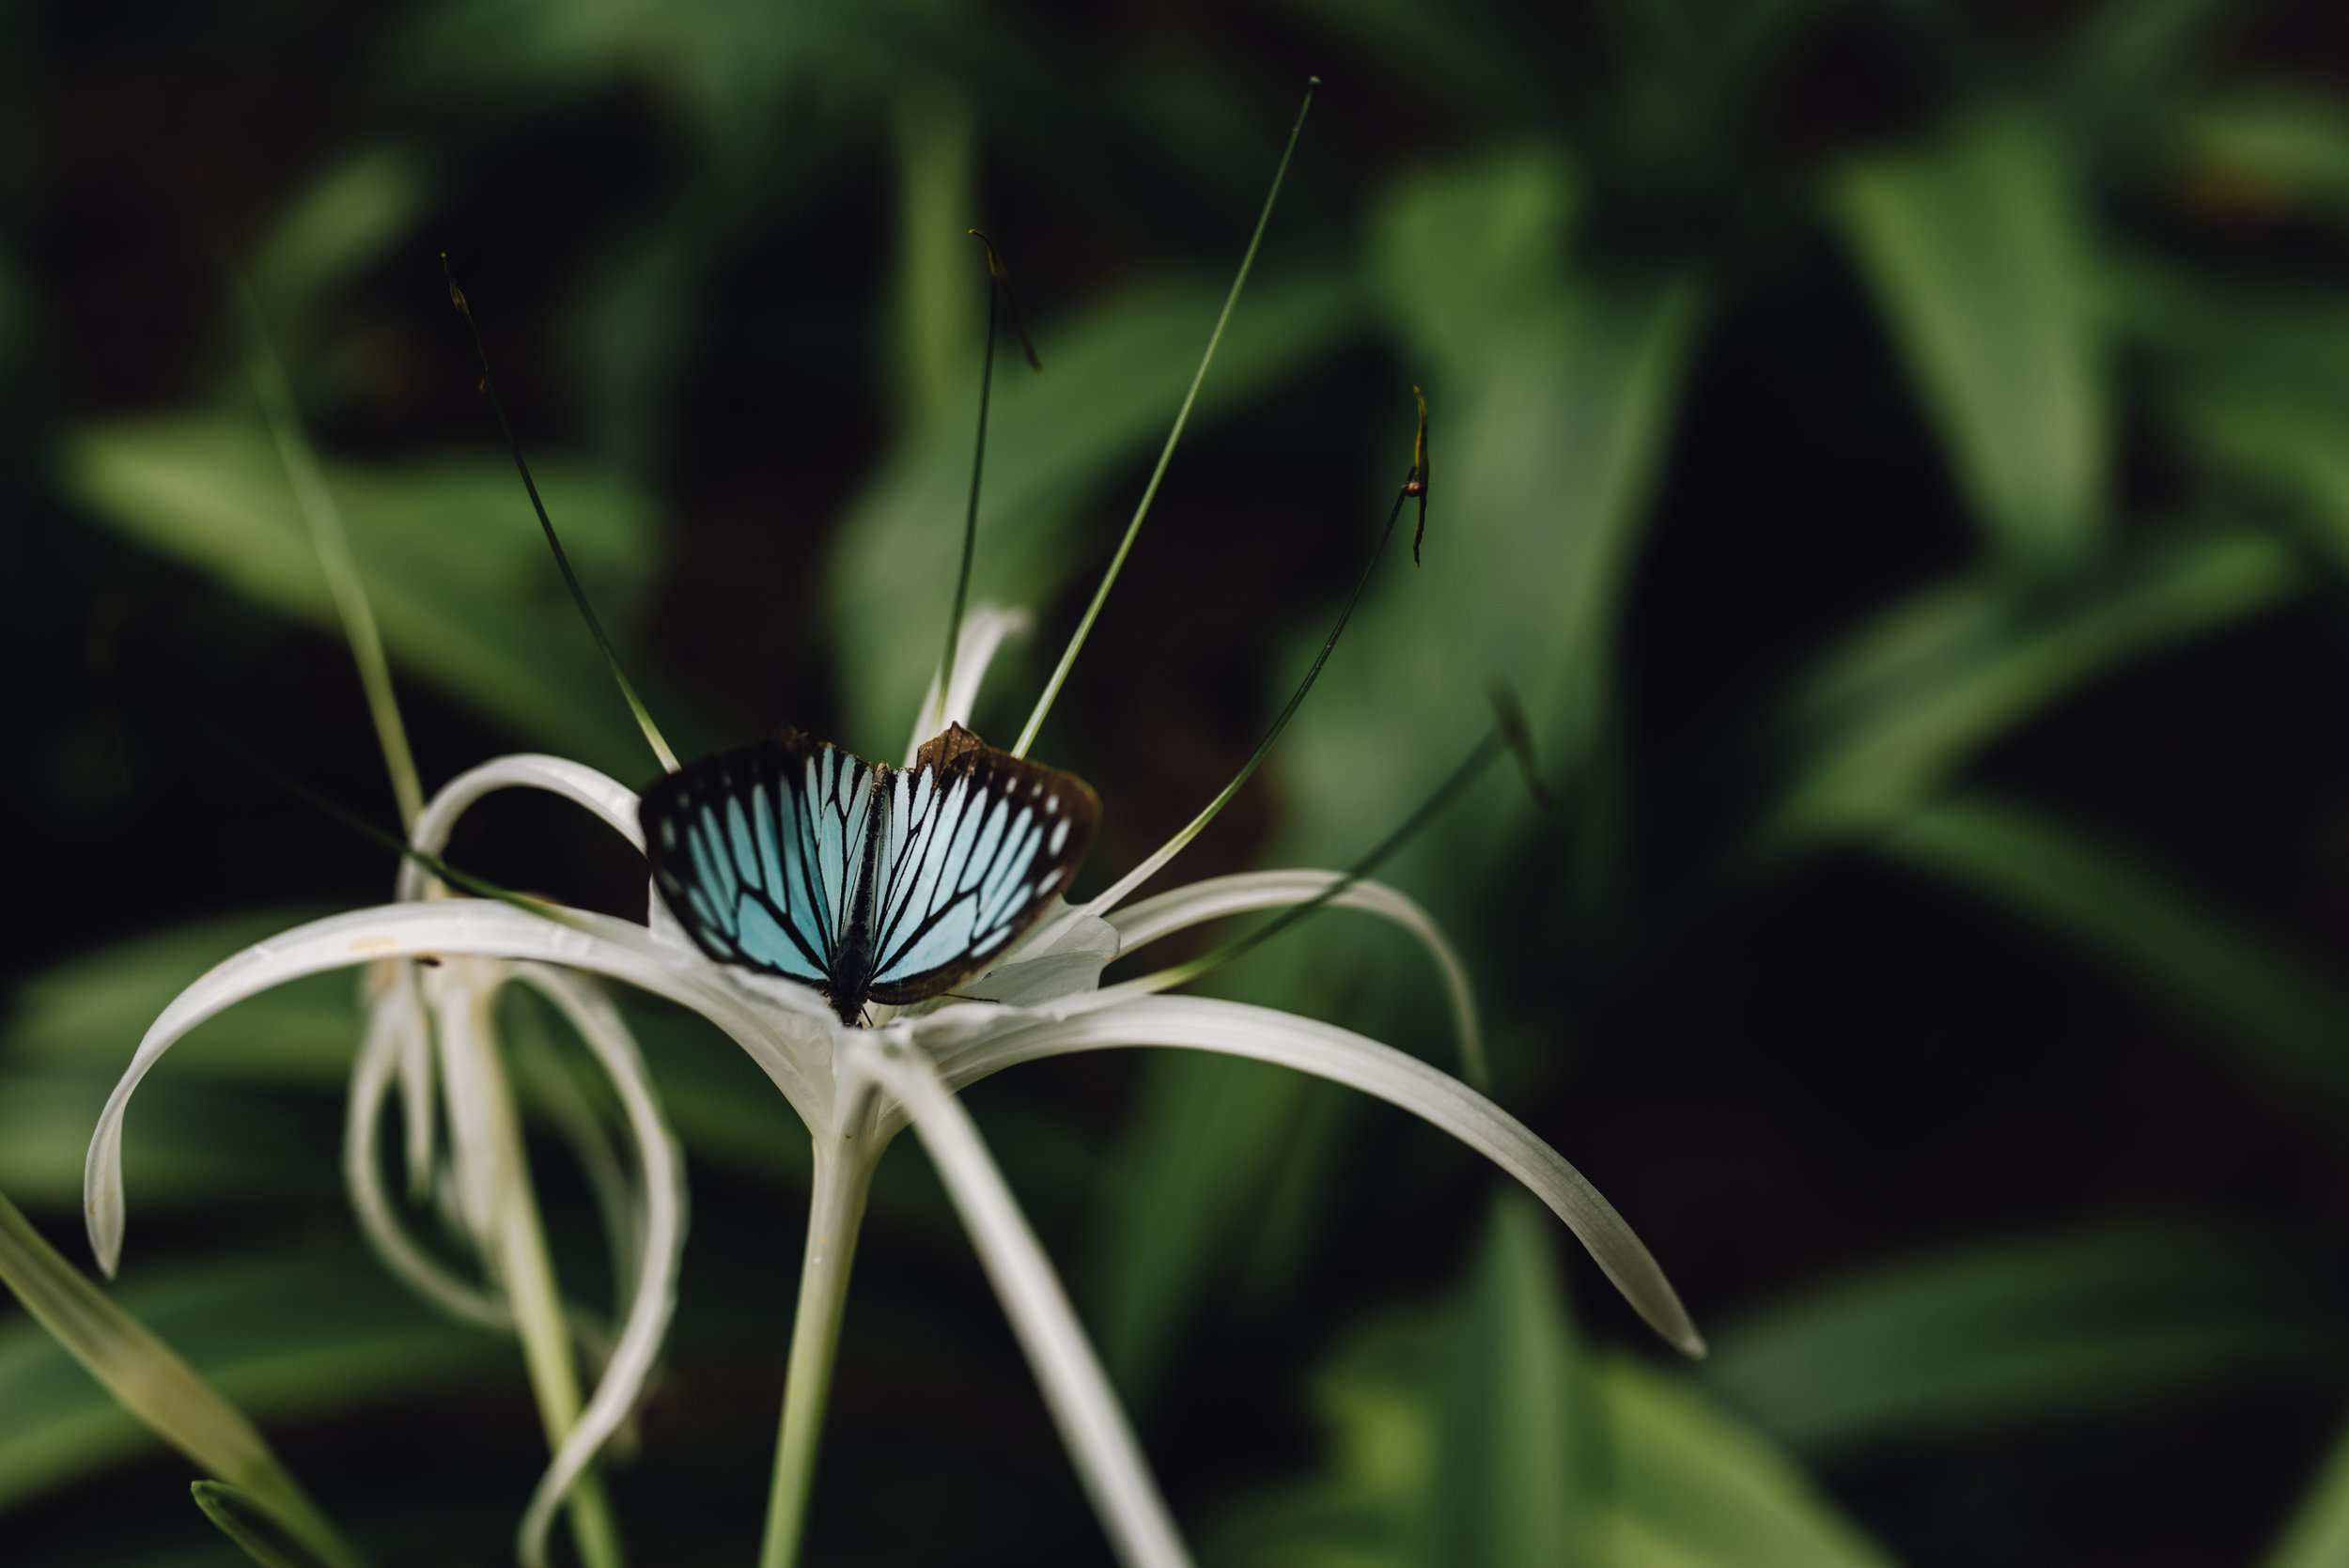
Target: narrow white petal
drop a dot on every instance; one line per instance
(1065, 958)
(1217, 896)
(1099, 1440)
(985, 628)
(482, 1161)
(394, 987)
(663, 1243)
(1235, 1029)
(608, 798)
(793, 1052)
(371, 1083)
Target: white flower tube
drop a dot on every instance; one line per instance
(966, 1054)
(1099, 1440)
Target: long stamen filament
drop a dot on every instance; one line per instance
(978, 468)
(1166, 454)
(561, 560)
(268, 376)
(1125, 885)
(1486, 751)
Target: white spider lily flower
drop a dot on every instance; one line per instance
(855, 1088)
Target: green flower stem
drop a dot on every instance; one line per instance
(844, 1178)
(528, 1274)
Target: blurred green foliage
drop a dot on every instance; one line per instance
(2060, 298)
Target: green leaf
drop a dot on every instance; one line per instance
(1185, 1182)
(2272, 150)
(1480, 1433)
(1882, 722)
(2025, 1332)
(347, 219)
(280, 1337)
(1979, 257)
(2258, 383)
(1551, 396)
(2122, 66)
(252, 1526)
(86, 1016)
(2156, 935)
(151, 1383)
(2317, 1535)
(1515, 1440)
(1111, 381)
(185, 1146)
(453, 561)
(1698, 1488)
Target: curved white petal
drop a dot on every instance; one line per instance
(985, 630)
(1099, 1440)
(608, 798)
(663, 1243)
(1065, 957)
(371, 1082)
(969, 1049)
(393, 985)
(462, 991)
(576, 1120)
(1217, 896)
(792, 1046)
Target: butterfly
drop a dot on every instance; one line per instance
(866, 881)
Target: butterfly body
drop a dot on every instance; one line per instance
(870, 882)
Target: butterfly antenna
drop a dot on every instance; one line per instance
(1166, 454)
(999, 294)
(1125, 885)
(317, 503)
(570, 577)
(253, 762)
(1487, 752)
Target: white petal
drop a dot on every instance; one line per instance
(1099, 1440)
(608, 798)
(984, 630)
(1235, 1029)
(396, 987)
(784, 1043)
(462, 991)
(1216, 896)
(1066, 956)
(371, 1082)
(647, 1320)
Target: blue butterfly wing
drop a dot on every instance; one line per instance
(976, 847)
(756, 852)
